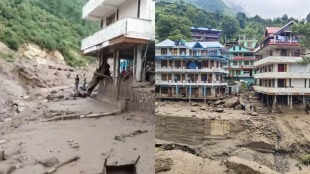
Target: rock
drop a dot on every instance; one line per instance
(194, 104)
(203, 108)
(219, 110)
(254, 113)
(218, 102)
(163, 164)
(238, 107)
(232, 102)
(240, 165)
(193, 110)
(119, 138)
(49, 162)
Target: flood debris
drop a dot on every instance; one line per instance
(163, 164)
(49, 162)
(122, 137)
(54, 169)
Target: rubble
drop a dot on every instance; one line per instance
(240, 165)
(232, 102)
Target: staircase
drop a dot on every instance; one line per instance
(260, 107)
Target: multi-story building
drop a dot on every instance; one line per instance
(241, 65)
(280, 78)
(192, 70)
(205, 34)
(127, 32)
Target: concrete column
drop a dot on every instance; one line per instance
(291, 102)
(274, 103)
(116, 73)
(213, 92)
(288, 100)
(139, 63)
(276, 83)
(304, 100)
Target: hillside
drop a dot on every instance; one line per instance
(173, 20)
(209, 5)
(53, 25)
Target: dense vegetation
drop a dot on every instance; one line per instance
(210, 5)
(174, 19)
(51, 24)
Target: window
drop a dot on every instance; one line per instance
(163, 63)
(246, 62)
(305, 83)
(163, 51)
(164, 77)
(110, 20)
(177, 77)
(178, 63)
(282, 68)
(235, 63)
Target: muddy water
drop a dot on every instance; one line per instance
(96, 142)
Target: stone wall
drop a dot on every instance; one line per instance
(192, 131)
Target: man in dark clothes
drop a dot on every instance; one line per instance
(104, 69)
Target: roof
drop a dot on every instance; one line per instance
(170, 43)
(166, 43)
(204, 29)
(272, 30)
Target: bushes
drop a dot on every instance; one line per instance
(54, 25)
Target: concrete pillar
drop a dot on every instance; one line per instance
(116, 73)
(288, 100)
(304, 101)
(291, 102)
(213, 92)
(274, 103)
(276, 83)
(139, 64)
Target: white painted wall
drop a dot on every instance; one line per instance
(299, 68)
(298, 83)
(128, 9)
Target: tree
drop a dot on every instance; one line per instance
(284, 17)
(303, 31)
(230, 27)
(241, 17)
(308, 18)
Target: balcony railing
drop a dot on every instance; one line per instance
(184, 69)
(186, 83)
(189, 55)
(283, 75)
(282, 91)
(127, 27)
(277, 59)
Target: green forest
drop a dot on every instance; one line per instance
(173, 20)
(51, 24)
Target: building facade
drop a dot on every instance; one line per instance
(127, 32)
(205, 34)
(280, 78)
(241, 65)
(190, 70)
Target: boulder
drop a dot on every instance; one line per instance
(232, 102)
(254, 113)
(240, 165)
(219, 110)
(218, 102)
(238, 107)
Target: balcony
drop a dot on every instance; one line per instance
(186, 83)
(283, 75)
(282, 91)
(277, 59)
(186, 70)
(96, 9)
(127, 27)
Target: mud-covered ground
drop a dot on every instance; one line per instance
(42, 123)
(229, 141)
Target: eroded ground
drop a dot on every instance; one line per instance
(228, 140)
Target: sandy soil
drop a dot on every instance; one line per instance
(198, 110)
(275, 141)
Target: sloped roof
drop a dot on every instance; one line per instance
(272, 30)
(166, 43)
(202, 28)
(170, 43)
